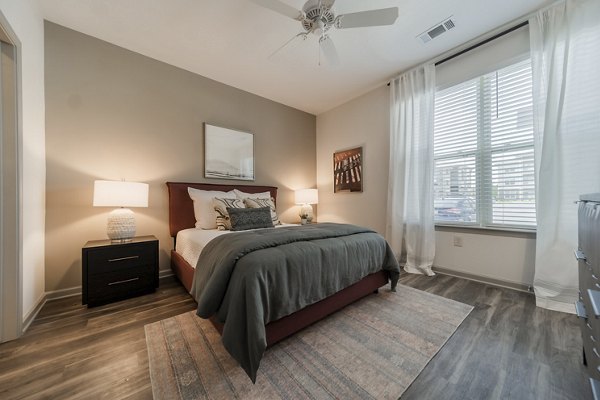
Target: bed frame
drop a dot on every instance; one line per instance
(181, 216)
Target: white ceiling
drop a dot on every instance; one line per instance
(230, 41)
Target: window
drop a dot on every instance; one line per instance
(483, 150)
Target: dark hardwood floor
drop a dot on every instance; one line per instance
(505, 349)
(71, 351)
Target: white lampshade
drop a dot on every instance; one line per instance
(307, 196)
(120, 194)
(121, 222)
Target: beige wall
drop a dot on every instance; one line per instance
(25, 19)
(114, 114)
(360, 122)
(365, 121)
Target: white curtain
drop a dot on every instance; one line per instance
(565, 52)
(410, 229)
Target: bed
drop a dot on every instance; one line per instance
(181, 218)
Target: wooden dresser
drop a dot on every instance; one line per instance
(588, 306)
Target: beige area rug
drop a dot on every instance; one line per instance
(372, 349)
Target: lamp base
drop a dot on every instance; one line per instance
(306, 210)
(121, 224)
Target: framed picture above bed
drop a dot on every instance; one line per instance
(228, 153)
(347, 170)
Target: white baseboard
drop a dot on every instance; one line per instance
(30, 316)
(63, 293)
(44, 298)
(165, 273)
(484, 279)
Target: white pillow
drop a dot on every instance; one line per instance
(243, 195)
(206, 216)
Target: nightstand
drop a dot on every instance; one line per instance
(116, 271)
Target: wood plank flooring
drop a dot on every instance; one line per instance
(74, 352)
(506, 349)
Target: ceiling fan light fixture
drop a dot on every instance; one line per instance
(318, 17)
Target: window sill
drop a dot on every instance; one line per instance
(483, 230)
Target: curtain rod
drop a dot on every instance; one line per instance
(476, 45)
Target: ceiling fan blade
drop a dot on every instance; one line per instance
(384, 16)
(280, 8)
(329, 50)
(303, 34)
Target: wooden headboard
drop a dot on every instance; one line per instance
(181, 206)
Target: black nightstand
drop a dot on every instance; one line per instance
(116, 271)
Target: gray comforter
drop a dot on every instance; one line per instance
(248, 279)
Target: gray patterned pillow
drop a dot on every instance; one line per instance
(258, 203)
(221, 206)
(250, 218)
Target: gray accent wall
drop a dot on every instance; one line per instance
(115, 114)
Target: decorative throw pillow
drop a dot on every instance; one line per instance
(203, 207)
(221, 206)
(258, 203)
(250, 218)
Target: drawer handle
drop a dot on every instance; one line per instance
(596, 352)
(588, 325)
(137, 279)
(592, 338)
(594, 277)
(123, 258)
(580, 255)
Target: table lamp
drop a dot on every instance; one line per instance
(121, 221)
(306, 197)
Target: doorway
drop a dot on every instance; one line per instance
(11, 313)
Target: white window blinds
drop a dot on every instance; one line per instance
(483, 150)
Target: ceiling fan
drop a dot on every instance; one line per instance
(317, 17)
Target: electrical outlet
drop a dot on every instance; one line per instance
(457, 240)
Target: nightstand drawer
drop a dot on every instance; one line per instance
(120, 284)
(115, 271)
(111, 259)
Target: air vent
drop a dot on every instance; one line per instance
(437, 30)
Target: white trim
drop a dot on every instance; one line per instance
(31, 315)
(487, 227)
(165, 273)
(43, 299)
(488, 280)
(64, 293)
(11, 289)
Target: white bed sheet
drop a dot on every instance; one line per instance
(190, 242)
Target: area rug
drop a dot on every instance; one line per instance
(372, 349)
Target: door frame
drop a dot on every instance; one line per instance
(11, 145)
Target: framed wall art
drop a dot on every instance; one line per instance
(347, 171)
(228, 154)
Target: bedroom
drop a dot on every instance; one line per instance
(85, 119)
